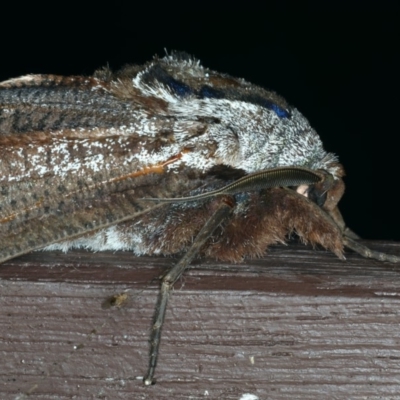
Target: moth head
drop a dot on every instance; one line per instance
(327, 192)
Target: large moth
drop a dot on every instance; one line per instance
(164, 158)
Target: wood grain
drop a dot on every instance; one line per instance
(297, 324)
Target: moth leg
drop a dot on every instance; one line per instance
(367, 252)
(350, 240)
(222, 212)
(338, 218)
(347, 232)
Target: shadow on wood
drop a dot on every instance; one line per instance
(298, 323)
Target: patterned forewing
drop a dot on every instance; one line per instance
(73, 160)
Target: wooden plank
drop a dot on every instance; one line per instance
(298, 323)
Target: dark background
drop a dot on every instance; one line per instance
(339, 65)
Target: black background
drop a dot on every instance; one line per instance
(339, 65)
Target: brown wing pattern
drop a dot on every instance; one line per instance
(63, 153)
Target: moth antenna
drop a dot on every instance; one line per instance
(274, 177)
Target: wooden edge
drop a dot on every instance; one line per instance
(298, 323)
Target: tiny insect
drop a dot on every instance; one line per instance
(164, 158)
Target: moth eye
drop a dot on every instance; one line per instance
(317, 195)
(327, 188)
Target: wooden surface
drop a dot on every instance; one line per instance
(297, 324)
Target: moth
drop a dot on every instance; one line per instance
(164, 158)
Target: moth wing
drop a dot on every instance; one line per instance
(68, 168)
(74, 221)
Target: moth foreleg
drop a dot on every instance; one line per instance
(336, 215)
(221, 213)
